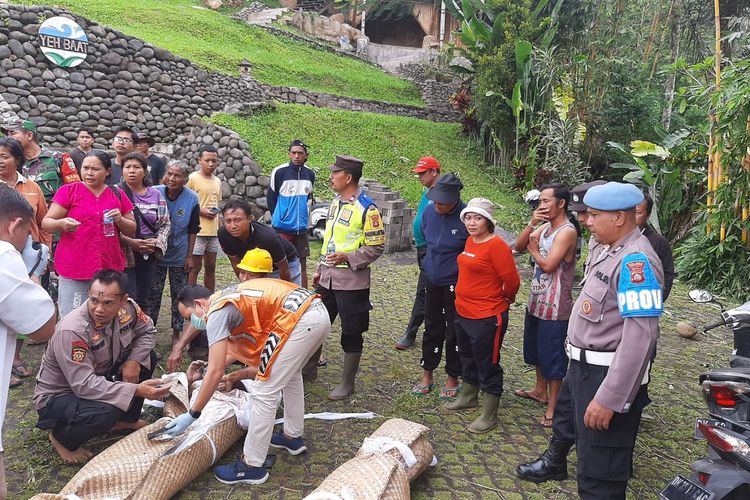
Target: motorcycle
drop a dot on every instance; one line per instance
(318, 217)
(725, 473)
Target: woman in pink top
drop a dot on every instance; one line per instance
(90, 216)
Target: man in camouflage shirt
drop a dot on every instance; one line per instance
(50, 169)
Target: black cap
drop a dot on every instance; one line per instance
(577, 194)
(447, 189)
(298, 142)
(348, 163)
(143, 137)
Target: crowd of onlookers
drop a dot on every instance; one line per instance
(135, 213)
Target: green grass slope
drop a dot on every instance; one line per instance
(389, 146)
(217, 42)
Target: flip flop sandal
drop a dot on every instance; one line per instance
(546, 421)
(447, 393)
(524, 394)
(323, 361)
(14, 382)
(422, 390)
(20, 370)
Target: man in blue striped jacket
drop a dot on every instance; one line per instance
(288, 194)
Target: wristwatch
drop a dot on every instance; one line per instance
(194, 414)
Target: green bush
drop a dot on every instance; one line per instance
(721, 267)
(219, 43)
(389, 146)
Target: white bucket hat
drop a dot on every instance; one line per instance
(481, 206)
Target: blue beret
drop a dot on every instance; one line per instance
(613, 196)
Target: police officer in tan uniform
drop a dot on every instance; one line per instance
(354, 239)
(611, 337)
(97, 369)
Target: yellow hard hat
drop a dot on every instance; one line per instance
(257, 260)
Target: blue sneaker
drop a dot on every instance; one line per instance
(238, 472)
(295, 446)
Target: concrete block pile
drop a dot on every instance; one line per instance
(398, 218)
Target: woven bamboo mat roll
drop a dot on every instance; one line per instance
(414, 436)
(135, 468)
(372, 477)
(177, 402)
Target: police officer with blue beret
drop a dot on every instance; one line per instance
(611, 337)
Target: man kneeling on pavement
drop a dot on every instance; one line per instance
(97, 369)
(269, 323)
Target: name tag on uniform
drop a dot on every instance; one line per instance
(639, 293)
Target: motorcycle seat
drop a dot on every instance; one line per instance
(729, 374)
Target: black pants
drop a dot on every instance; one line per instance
(177, 281)
(417, 310)
(74, 420)
(354, 308)
(479, 342)
(605, 458)
(563, 421)
(140, 278)
(439, 329)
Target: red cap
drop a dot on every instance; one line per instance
(426, 163)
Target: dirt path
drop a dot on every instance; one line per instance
(469, 466)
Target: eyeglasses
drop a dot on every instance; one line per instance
(123, 140)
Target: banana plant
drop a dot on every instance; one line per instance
(661, 182)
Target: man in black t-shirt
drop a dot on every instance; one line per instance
(240, 234)
(156, 165)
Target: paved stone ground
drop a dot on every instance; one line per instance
(469, 466)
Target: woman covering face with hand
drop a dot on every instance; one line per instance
(90, 217)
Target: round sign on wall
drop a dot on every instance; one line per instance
(63, 42)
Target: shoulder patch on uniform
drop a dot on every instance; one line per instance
(78, 350)
(124, 316)
(373, 231)
(639, 293)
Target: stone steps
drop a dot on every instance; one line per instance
(265, 17)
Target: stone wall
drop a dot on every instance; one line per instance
(443, 113)
(239, 173)
(123, 81)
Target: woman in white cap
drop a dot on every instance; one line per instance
(487, 284)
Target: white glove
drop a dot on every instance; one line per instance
(179, 425)
(35, 256)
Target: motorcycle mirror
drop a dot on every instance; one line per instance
(701, 296)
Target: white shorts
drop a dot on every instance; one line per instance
(205, 244)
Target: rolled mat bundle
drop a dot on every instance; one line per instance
(136, 467)
(395, 454)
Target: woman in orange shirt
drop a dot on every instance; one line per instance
(487, 284)
(11, 160)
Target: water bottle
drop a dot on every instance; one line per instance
(109, 226)
(331, 248)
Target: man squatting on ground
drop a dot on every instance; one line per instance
(274, 325)
(553, 248)
(25, 306)
(612, 336)
(354, 238)
(97, 369)
(428, 172)
(289, 193)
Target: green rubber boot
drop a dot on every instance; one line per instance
(346, 387)
(467, 398)
(488, 419)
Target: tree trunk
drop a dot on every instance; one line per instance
(674, 54)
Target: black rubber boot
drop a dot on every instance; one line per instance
(407, 340)
(310, 370)
(552, 465)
